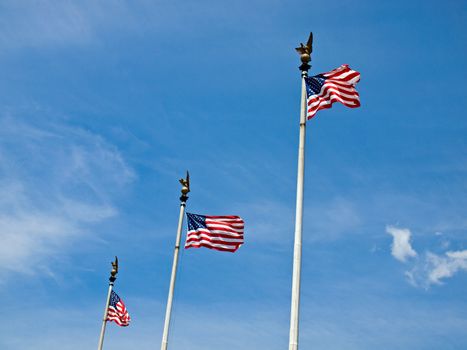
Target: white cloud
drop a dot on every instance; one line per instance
(445, 266)
(55, 180)
(433, 268)
(429, 269)
(401, 248)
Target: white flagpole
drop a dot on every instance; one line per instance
(112, 279)
(185, 189)
(305, 52)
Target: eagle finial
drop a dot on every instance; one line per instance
(185, 185)
(114, 267)
(306, 50)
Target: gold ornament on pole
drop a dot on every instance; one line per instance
(305, 53)
(185, 187)
(114, 271)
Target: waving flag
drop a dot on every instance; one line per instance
(326, 88)
(117, 311)
(223, 233)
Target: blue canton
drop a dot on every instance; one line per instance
(314, 84)
(114, 299)
(195, 221)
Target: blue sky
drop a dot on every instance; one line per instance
(105, 104)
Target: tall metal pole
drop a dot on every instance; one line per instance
(112, 278)
(305, 52)
(185, 189)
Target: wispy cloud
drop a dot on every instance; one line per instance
(55, 181)
(193, 327)
(272, 222)
(330, 219)
(43, 23)
(446, 266)
(47, 23)
(434, 268)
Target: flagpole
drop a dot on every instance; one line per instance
(305, 52)
(112, 278)
(185, 189)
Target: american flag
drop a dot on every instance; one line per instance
(117, 311)
(223, 233)
(324, 89)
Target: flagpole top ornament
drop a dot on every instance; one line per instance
(305, 53)
(113, 273)
(185, 187)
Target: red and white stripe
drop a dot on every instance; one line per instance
(339, 86)
(223, 233)
(118, 314)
